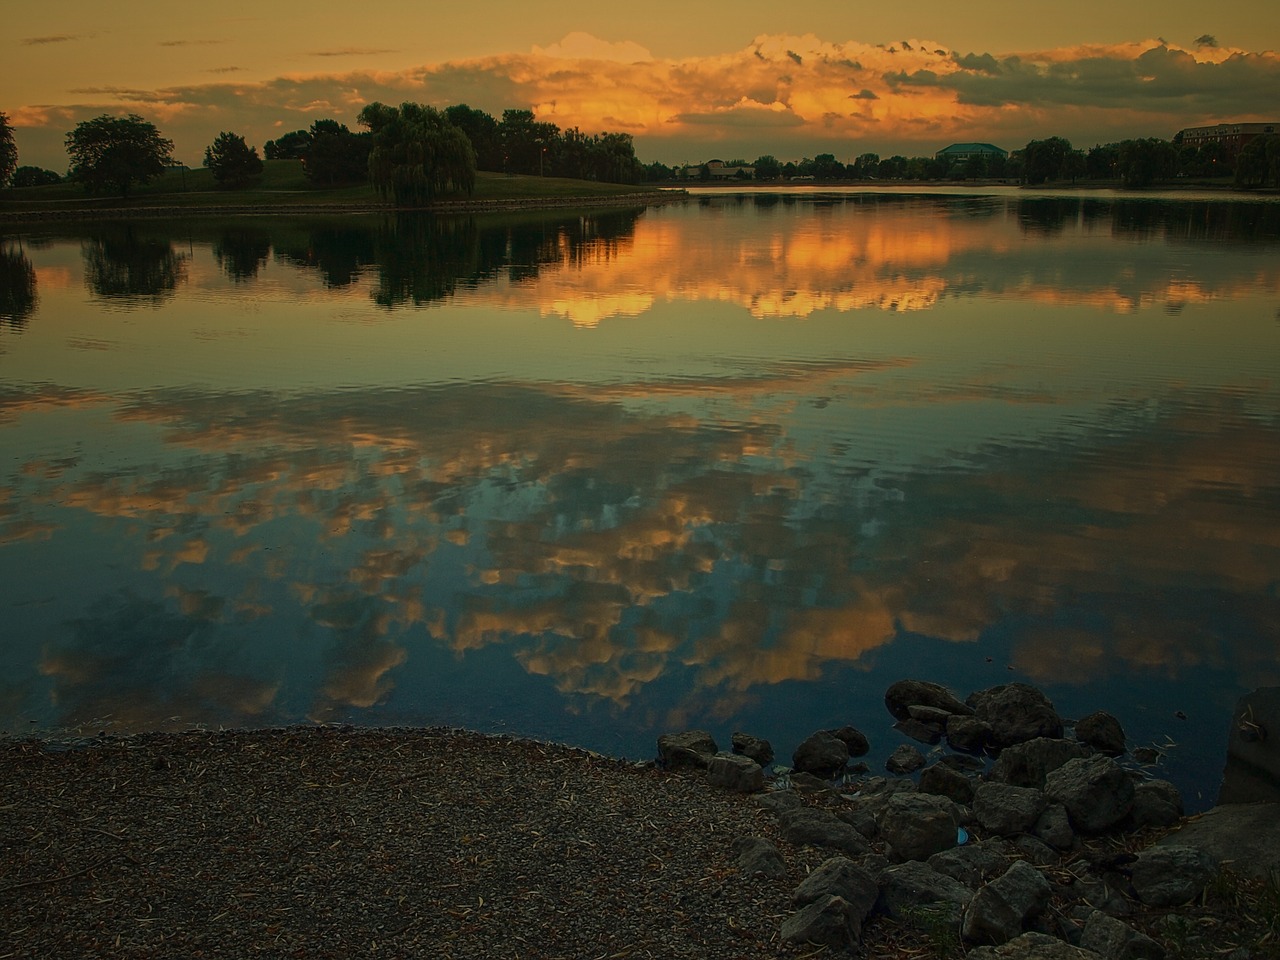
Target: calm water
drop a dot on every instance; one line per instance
(734, 463)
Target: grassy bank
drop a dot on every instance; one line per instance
(284, 187)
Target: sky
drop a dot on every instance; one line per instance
(689, 81)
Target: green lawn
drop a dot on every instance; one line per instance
(284, 186)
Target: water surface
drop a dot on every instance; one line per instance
(738, 462)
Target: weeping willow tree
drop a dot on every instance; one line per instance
(417, 154)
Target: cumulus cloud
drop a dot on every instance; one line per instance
(584, 46)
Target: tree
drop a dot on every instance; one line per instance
(1142, 162)
(33, 177)
(1258, 162)
(113, 153)
(483, 132)
(767, 167)
(335, 155)
(1049, 159)
(291, 146)
(417, 153)
(8, 150)
(865, 167)
(233, 162)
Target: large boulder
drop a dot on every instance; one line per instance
(918, 825)
(1032, 946)
(974, 863)
(1115, 940)
(1171, 876)
(968, 734)
(822, 754)
(854, 739)
(827, 922)
(905, 759)
(1252, 773)
(1245, 837)
(821, 828)
(761, 751)
(840, 877)
(758, 857)
(913, 885)
(1001, 910)
(1101, 731)
(1028, 764)
(945, 780)
(1006, 810)
(693, 748)
(1017, 712)
(734, 772)
(903, 695)
(1096, 791)
(1156, 803)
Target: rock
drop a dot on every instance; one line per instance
(905, 759)
(862, 814)
(910, 886)
(857, 743)
(1252, 773)
(946, 781)
(1103, 732)
(1006, 810)
(1244, 837)
(1032, 946)
(776, 801)
(1017, 712)
(822, 755)
(1028, 764)
(1037, 851)
(918, 825)
(734, 772)
(1156, 803)
(758, 857)
(821, 828)
(808, 783)
(929, 733)
(1096, 791)
(840, 877)
(761, 751)
(1115, 940)
(968, 734)
(1147, 756)
(930, 715)
(693, 748)
(826, 922)
(1169, 876)
(963, 762)
(1000, 910)
(975, 863)
(904, 694)
(1054, 827)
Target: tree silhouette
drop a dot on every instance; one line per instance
(113, 153)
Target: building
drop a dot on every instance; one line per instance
(1232, 136)
(959, 152)
(719, 170)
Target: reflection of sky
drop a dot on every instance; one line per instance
(260, 504)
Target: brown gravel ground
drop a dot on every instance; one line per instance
(340, 842)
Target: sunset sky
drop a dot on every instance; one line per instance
(688, 80)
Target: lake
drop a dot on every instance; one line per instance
(735, 462)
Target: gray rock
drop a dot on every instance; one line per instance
(821, 754)
(1096, 791)
(803, 782)
(1032, 946)
(1171, 876)
(821, 828)
(1037, 851)
(1054, 827)
(974, 863)
(929, 733)
(840, 877)
(905, 759)
(912, 885)
(945, 780)
(1156, 803)
(1006, 810)
(1029, 764)
(1000, 910)
(693, 748)
(761, 751)
(826, 922)
(963, 762)
(968, 734)
(904, 694)
(1103, 732)
(734, 772)
(776, 801)
(1244, 837)
(1115, 940)
(918, 825)
(1017, 712)
(1252, 774)
(758, 857)
(931, 715)
(862, 814)
(854, 739)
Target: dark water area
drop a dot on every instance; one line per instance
(736, 462)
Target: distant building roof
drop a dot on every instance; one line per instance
(959, 151)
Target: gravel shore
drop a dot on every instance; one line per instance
(341, 842)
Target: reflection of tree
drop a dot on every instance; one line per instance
(121, 265)
(242, 252)
(422, 258)
(337, 251)
(1047, 215)
(17, 288)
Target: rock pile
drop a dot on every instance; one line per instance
(980, 853)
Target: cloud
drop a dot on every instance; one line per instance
(1206, 40)
(190, 43)
(352, 52)
(55, 38)
(746, 113)
(864, 94)
(584, 46)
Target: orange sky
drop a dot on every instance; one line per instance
(688, 81)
